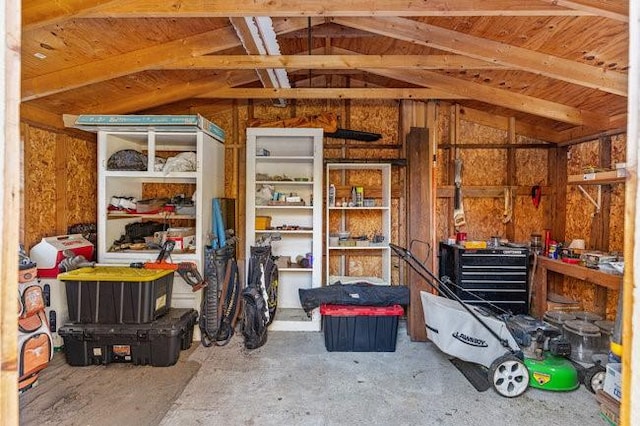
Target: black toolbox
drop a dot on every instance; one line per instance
(157, 343)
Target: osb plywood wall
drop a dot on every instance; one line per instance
(582, 214)
(486, 216)
(371, 116)
(59, 183)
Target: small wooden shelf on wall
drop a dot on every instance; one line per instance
(598, 178)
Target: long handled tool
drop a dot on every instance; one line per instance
(458, 207)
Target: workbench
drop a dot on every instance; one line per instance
(602, 280)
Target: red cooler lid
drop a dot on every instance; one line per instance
(352, 311)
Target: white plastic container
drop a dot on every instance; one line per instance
(558, 318)
(332, 195)
(584, 338)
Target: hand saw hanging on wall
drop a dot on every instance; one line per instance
(458, 208)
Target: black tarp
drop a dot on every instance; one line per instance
(360, 294)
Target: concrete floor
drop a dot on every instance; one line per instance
(292, 380)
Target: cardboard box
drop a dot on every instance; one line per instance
(613, 380)
(263, 222)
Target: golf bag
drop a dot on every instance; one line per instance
(221, 298)
(260, 296)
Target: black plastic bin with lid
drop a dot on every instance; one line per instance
(117, 294)
(360, 328)
(157, 343)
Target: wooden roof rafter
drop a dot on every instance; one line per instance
(500, 97)
(489, 50)
(154, 57)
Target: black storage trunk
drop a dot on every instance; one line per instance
(116, 294)
(157, 343)
(499, 275)
(360, 328)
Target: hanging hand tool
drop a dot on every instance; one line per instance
(536, 194)
(458, 208)
(508, 206)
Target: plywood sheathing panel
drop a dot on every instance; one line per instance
(616, 217)
(40, 185)
(82, 180)
(531, 166)
(42, 189)
(579, 218)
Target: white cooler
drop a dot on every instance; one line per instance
(47, 255)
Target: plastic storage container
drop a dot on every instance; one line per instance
(157, 343)
(558, 318)
(360, 328)
(606, 330)
(584, 338)
(116, 294)
(587, 316)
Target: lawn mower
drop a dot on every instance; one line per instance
(517, 351)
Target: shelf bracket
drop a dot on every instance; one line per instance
(597, 203)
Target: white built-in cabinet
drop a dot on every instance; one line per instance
(287, 162)
(163, 136)
(360, 255)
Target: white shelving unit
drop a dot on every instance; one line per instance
(290, 161)
(359, 221)
(156, 136)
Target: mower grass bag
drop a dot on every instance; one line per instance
(455, 332)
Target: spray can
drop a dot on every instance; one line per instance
(359, 202)
(332, 195)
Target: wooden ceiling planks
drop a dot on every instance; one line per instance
(82, 41)
(514, 57)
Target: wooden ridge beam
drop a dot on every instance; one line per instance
(46, 12)
(489, 50)
(329, 62)
(140, 60)
(327, 93)
(501, 97)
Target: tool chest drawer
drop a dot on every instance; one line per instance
(496, 278)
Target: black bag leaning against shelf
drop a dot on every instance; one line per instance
(254, 324)
(260, 296)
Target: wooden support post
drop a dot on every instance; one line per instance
(556, 215)
(419, 226)
(9, 196)
(510, 228)
(61, 184)
(599, 238)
